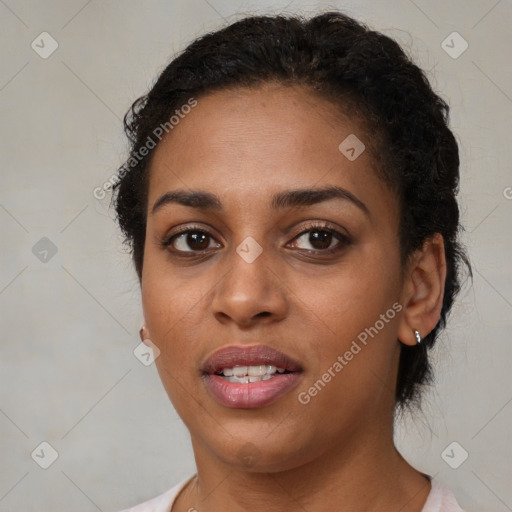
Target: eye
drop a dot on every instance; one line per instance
(321, 237)
(196, 239)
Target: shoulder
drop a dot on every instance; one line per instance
(161, 503)
(441, 499)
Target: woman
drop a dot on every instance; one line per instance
(290, 203)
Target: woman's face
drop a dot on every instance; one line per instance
(264, 275)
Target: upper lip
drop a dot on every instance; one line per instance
(243, 355)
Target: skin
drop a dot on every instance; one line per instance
(335, 453)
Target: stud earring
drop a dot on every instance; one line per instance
(418, 337)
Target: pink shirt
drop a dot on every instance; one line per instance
(440, 499)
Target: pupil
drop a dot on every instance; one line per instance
(314, 237)
(198, 241)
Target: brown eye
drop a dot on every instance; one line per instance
(191, 240)
(321, 238)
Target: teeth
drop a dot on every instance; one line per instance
(255, 371)
(246, 374)
(246, 379)
(239, 380)
(240, 371)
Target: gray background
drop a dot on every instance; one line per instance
(68, 375)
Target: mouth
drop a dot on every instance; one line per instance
(248, 374)
(241, 360)
(249, 377)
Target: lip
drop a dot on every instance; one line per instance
(241, 355)
(253, 394)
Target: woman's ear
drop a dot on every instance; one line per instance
(143, 332)
(423, 290)
(146, 339)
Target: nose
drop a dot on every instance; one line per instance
(250, 291)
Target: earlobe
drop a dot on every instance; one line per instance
(143, 333)
(423, 291)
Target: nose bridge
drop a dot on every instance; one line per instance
(249, 268)
(251, 286)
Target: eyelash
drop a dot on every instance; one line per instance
(343, 240)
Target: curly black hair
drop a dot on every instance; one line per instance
(359, 70)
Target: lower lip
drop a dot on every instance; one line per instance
(253, 394)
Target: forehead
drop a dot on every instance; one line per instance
(252, 142)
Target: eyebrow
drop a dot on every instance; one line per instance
(288, 199)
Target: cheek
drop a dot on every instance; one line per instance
(169, 305)
(354, 320)
(351, 372)
(352, 298)
(356, 327)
